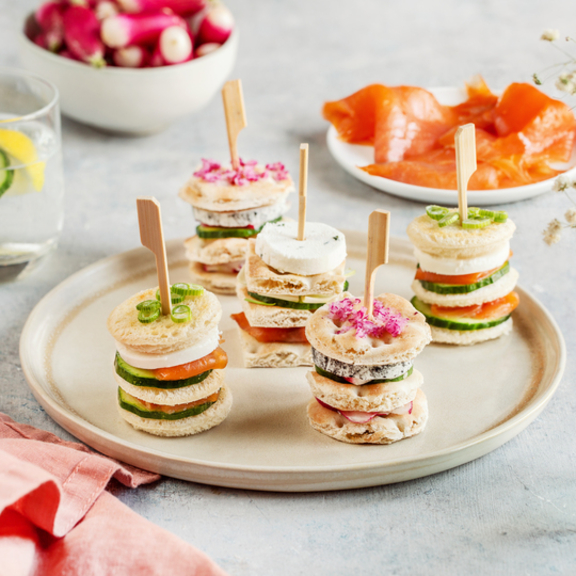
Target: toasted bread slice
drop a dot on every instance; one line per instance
(469, 337)
(219, 282)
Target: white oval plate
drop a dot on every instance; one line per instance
(479, 397)
(350, 156)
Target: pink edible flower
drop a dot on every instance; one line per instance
(212, 171)
(351, 317)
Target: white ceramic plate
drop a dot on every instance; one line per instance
(479, 397)
(350, 156)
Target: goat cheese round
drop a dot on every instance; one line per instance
(322, 250)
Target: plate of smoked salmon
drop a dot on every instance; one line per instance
(401, 140)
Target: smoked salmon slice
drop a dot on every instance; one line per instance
(519, 135)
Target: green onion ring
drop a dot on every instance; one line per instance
(148, 305)
(451, 218)
(185, 289)
(175, 298)
(148, 315)
(500, 216)
(476, 223)
(181, 313)
(436, 212)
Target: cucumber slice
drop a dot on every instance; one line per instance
(141, 377)
(450, 324)
(133, 405)
(465, 288)
(284, 303)
(331, 376)
(211, 232)
(6, 176)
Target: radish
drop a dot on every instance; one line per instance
(131, 57)
(207, 49)
(175, 45)
(82, 35)
(216, 26)
(129, 29)
(50, 18)
(177, 6)
(105, 9)
(157, 59)
(67, 54)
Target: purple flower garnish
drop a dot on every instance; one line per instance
(212, 171)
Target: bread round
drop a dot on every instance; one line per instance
(164, 335)
(219, 282)
(456, 242)
(499, 289)
(383, 397)
(220, 197)
(185, 426)
(214, 252)
(175, 396)
(469, 337)
(321, 332)
(377, 431)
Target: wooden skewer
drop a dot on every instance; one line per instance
(465, 141)
(302, 191)
(378, 239)
(235, 116)
(152, 238)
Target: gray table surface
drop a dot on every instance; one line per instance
(512, 511)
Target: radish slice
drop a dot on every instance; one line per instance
(216, 26)
(177, 6)
(207, 49)
(175, 45)
(82, 35)
(131, 57)
(363, 417)
(129, 29)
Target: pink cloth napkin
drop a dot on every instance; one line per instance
(57, 519)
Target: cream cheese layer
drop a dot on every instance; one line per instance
(153, 361)
(455, 266)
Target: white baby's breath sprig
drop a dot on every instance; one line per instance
(550, 35)
(553, 232)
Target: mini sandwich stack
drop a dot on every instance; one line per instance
(170, 368)
(464, 284)
(365, 387)
(232, 205)
(282, 283)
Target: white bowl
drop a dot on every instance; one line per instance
(127, 100)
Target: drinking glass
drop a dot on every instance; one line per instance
(31, 179)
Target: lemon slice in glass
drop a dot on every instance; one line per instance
(22, 148)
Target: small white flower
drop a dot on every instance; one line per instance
(552, 233)
(570, 216)
(561, 184)
(550, 35)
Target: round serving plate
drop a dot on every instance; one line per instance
(351, 156)
(479, 397)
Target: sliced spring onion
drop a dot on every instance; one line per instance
(436, 212)
(147, 315)
(185, 289)
(449, 219)
(473, 212)
(181, 313)
(175, 298)
(500, 216)
(487, 213)
(148, 305)
(476, 223)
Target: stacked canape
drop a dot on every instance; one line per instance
(464, 284)
(282, 283)
(365, 387)
(170, 369)
(231, 206)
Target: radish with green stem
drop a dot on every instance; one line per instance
(82, 35)
(129, 29)
(183, 7)
(50, 18)
(216, 26)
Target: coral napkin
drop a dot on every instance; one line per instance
(57, 519)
